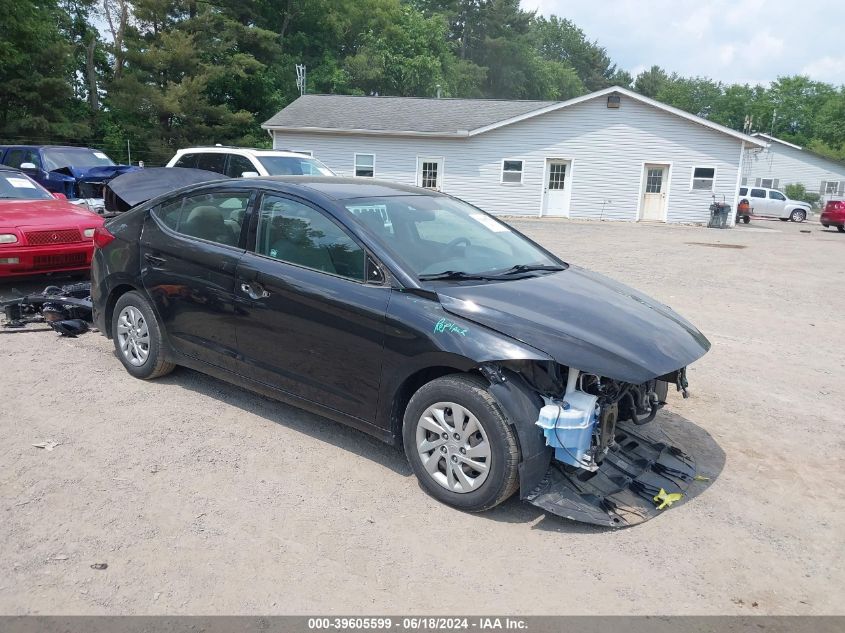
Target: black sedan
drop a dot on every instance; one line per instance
(417, 318)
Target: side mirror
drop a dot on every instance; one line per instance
(29, 167)
(59, 196)
(250, 174)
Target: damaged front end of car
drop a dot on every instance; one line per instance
(588, 452)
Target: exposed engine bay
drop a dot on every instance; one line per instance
(607, 469)
(596, 451)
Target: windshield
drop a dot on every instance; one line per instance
(15, 186)
(294, 166)
(74, 157)
(436, 234)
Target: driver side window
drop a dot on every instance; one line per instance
(298, 234)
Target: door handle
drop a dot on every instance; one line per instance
(254, 291)
(155, 261)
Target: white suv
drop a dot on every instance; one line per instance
(772, 202)
(243, 162)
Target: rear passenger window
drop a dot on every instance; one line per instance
(758, 193)
(187, 160)
(169, 213)
(238, 165)
(215, 217)
(298, 234)
(212, 162)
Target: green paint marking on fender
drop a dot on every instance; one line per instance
(444, 325)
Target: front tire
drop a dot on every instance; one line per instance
(137, 338)
(841, 229)
(746, 219)
(798, 215)
(459, 444)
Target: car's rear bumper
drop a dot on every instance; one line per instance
(832, 219)
(37, 260)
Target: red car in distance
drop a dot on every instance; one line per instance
(41, 232)
(834, 215)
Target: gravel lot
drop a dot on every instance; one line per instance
(205, 499)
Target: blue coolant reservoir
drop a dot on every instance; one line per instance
(568, 426)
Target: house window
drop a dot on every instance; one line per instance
(831, 187)
(365, 165)
(511, 171)
(429, 175)
(768, 183)
(702, 178)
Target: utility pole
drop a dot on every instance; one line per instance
(774, 118)
(300, 79)
(128, 153)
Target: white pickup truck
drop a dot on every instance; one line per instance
(772, 202)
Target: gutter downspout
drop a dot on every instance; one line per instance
(732, 218)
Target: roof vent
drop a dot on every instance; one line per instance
(613, 101)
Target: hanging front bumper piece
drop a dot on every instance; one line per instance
(640, 477)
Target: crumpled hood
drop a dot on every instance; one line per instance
(583, 320)
(95, 174)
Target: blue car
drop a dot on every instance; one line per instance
(79, 173)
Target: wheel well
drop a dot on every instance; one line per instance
(409, 387)
(116, 293)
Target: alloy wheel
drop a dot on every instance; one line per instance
(133, 336)
(453, 447)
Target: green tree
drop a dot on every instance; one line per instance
(559, 39)
(38, 74)
(650, 82)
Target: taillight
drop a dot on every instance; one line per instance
(102, 237)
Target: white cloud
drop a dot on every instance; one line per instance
(827, 68)
(727, 40)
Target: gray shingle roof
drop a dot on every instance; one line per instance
(398, 114)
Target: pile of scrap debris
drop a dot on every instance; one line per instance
(66, 309)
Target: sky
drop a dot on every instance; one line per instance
(734, 41)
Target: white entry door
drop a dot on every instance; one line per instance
(556, 187)
(655, 184)
(430, 172)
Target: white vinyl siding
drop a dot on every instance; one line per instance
(609, 146)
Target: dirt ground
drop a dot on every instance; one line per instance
(203, 499)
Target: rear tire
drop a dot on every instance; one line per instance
(746, 219)
(137, 338)
(798, 215)
(455, 435)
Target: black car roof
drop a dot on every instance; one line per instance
(339, 188)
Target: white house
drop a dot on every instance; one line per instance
(782, 163)
(612, 154)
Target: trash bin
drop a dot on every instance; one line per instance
(719, 215)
